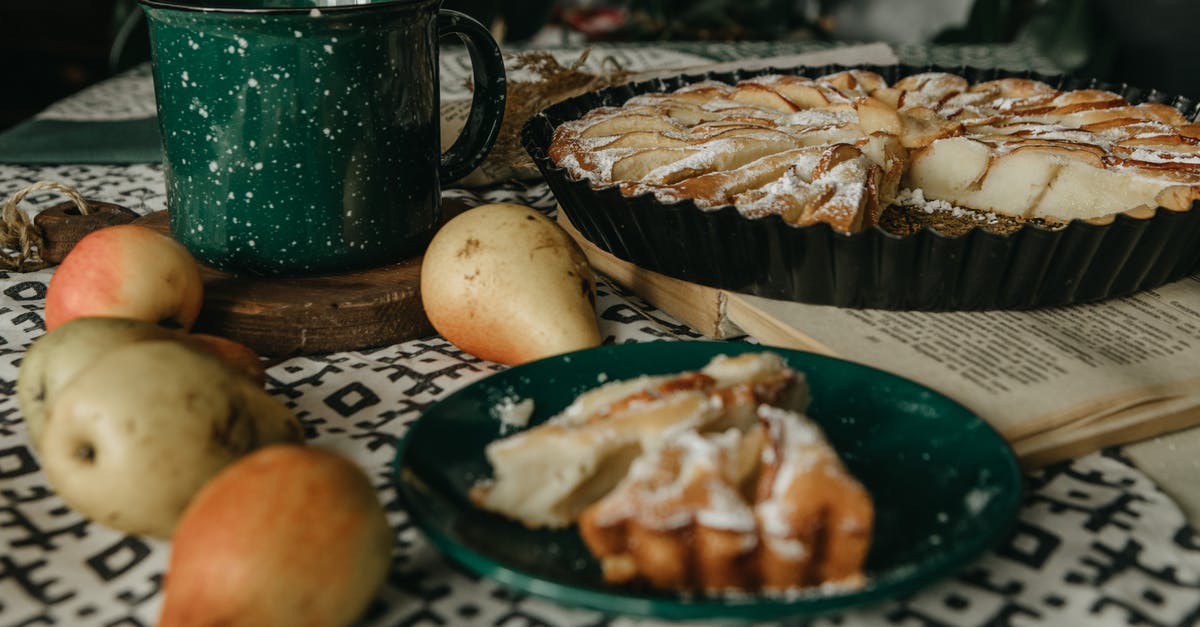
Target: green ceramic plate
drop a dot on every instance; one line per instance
(946, 486)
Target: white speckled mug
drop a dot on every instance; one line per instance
(301, 136)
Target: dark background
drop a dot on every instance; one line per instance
(53, 48)
(50, 48)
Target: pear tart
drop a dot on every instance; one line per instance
(839, 148)
(709, 481)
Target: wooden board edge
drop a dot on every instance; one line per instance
(322, 315)
(767, 329)
(1134, 425)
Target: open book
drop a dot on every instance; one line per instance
(1056, 383)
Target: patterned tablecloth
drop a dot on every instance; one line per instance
(1097, 542)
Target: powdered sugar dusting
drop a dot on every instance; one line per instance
(1140, 150)
(977, 500)
(915, 198)
(1160, 156)
(513, 414)
(679, 484)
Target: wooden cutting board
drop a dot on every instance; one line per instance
(284, 317)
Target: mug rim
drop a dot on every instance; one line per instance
(200, 6)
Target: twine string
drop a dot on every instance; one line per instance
(21, 239)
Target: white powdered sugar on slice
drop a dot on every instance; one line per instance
(679, 484)
(513, 414)
(796, 439)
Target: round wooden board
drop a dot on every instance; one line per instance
(283, 317)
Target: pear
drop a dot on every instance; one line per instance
(287, 535)
(241, 357)
(505, 283)
(134, 434)
(56, 357)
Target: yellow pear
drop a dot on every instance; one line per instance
(505, 283)
(56, 357)
(134, 434)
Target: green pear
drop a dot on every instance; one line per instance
(135, 433)
(56, 357)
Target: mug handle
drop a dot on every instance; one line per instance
(487, 102)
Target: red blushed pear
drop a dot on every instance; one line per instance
(126, 271)
(288, 535)
(241, 357)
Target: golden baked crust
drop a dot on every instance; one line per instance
(769, 510)
(838, 148)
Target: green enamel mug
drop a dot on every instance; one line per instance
(301, 137)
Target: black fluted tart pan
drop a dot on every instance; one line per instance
(1033, 266)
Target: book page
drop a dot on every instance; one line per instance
(1025, 372)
